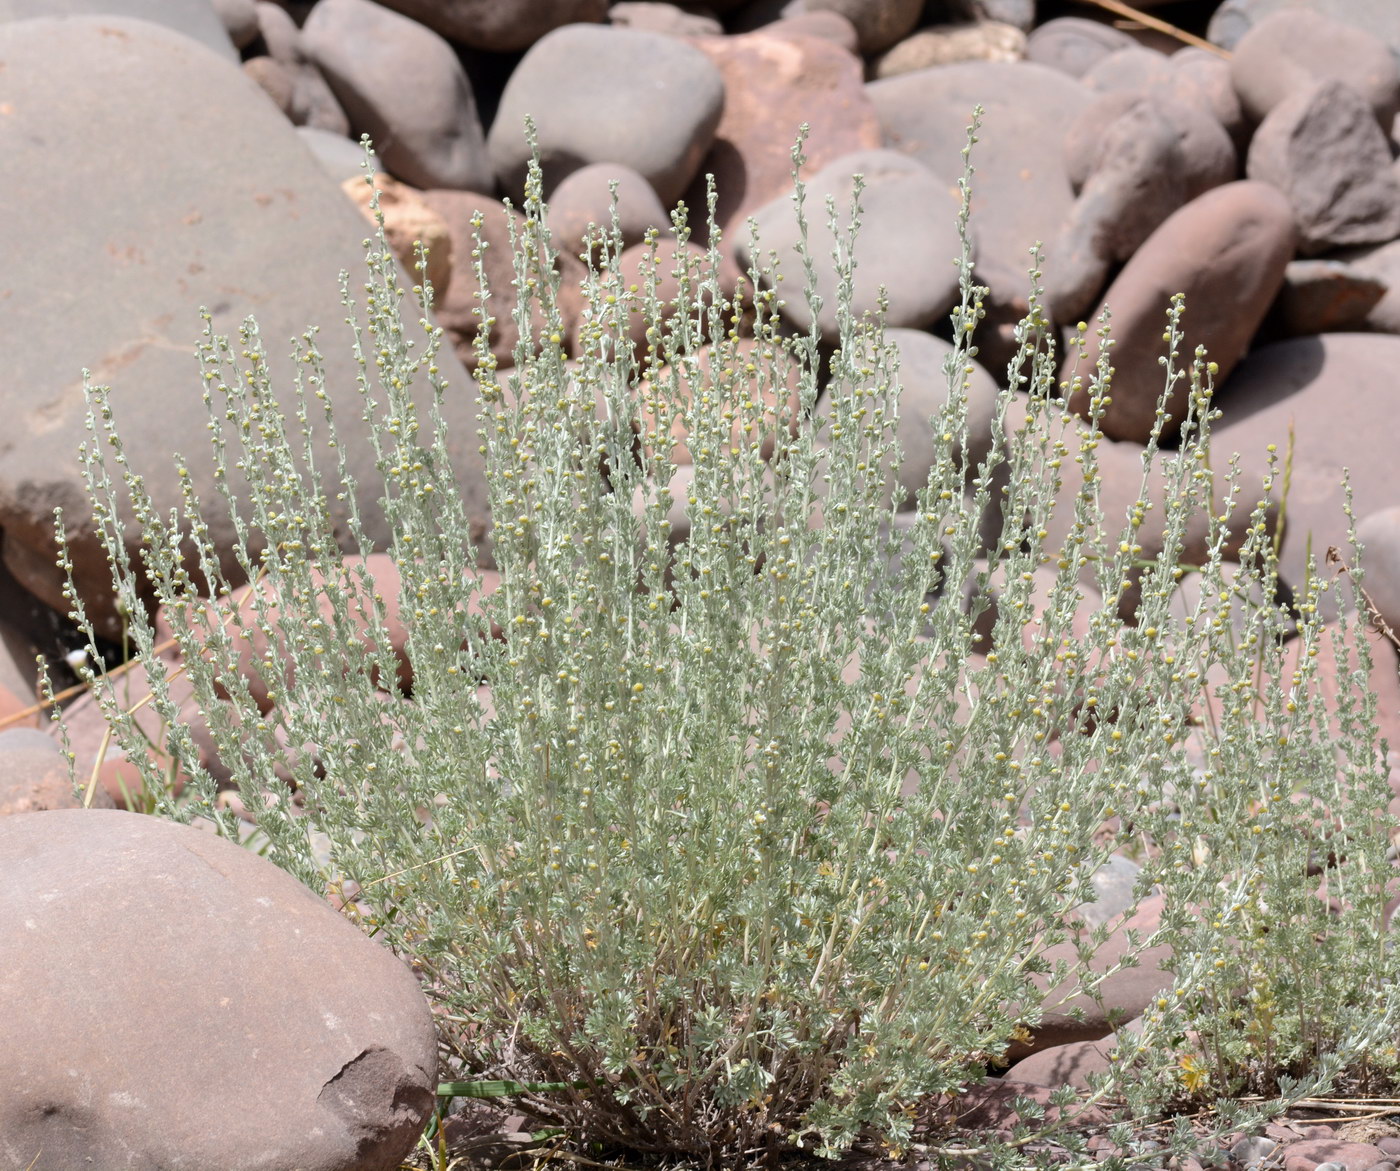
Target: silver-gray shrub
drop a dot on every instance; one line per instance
(705, 848)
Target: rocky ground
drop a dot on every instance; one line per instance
(162, 154)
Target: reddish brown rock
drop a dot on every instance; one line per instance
(1326, 153)
(1292, 49)
(258, 1027)
(1227, 252)
(773, 84)
(1310, 1153)
(274, 80)
(1125, 994)
(1321, 296)
(1065, 1065)
(34, 775)
(663, 18)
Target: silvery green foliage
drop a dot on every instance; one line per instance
(707, 839)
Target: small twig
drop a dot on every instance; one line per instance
(1161, 26)
(1378, 622)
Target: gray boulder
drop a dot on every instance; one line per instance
(188, 1004)
(197, 19)
(907, 242)
(600, 94)
(224, 207)
(402, 84)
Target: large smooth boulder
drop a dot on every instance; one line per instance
(1334, 395)
(402, 84)
(224, 207)
(1227, 252)
(185, 1003)
(1234, 18)
(599, 94)
(197, 19)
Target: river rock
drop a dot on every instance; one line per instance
(313, 103)
(907, 242)
(500, 26)
(569, 84)
(772, 85)
(1234, 18)
(950, 43)
(1227, 252)
(34, 776)
(1073, 45)
(257, 1028)
(401, 84)
(1332, 393)
(1380, 533)
(1380, 263)
(1322, 296)
(585, 198)
(878, 23)
(197, 19)
(1294, 48)
(1326, 153)
(663, 18)
(1020, 191)
(227, 209)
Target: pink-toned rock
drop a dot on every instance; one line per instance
(827, 26)
(771, 86)
(1208, 154)
(1234, 18)
(34, 775)
(1227, 252)
(907, 243)
(1074, 45)
(878, 23)
(1310, 1153)
(989, 1106)
(500, 26)
(1125, 994)
(571, 84)
(1330, 393)
(408, 221)
(402, 84)
(1065, 1065)
(1131, 167)
(275, 81)
(240, 20)
(1380, 533)
(1326, 153)
(638, 269)
(1294, 48)
(258, 1028)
